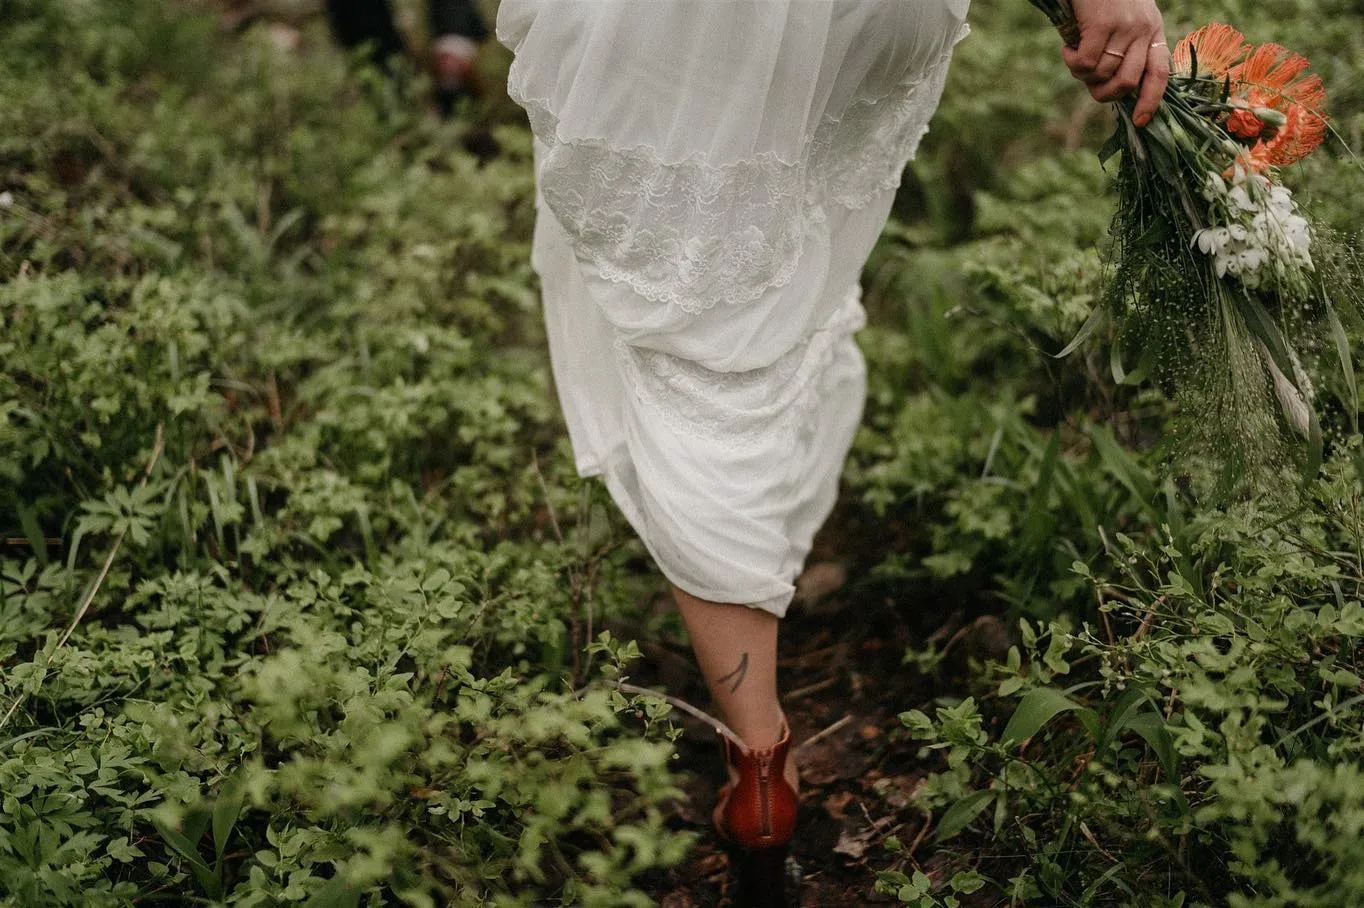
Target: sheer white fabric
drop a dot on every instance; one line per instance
(712, 175)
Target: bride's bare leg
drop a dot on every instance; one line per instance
(736, 648)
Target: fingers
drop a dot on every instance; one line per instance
(1117, 56)
(1107, 29)
(1153, 83)
(1128, 76)
(1088, 62)
(1110, 61)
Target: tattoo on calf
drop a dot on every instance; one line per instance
(737, 674)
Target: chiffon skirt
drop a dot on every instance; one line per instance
(712, 175)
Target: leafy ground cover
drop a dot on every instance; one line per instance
(300, 602)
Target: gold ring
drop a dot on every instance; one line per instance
(1114, 53)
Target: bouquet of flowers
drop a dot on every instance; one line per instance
(1218, 282)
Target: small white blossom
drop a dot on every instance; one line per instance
(1215, 188)
(1210, 239)
(1261, 231)
(1240, 197)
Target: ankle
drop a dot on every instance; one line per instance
(759, 732)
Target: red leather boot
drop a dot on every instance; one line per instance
(757, 814)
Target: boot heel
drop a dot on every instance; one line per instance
(762, 877)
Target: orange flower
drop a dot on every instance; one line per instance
(1244, 125)
(1280, 74)
(1219, 46)
(1302, 131)
(1262, 78)
(1273, 76)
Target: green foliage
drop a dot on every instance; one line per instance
(299, 595)
(1177, 720)
(273, 406)
(1212, 741)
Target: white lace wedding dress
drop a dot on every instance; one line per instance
(712, 176)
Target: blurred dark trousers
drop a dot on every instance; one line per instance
(357, 22)
(456, 17)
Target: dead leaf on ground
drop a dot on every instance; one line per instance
(837, 803)
(829, 760)
(677, 900)
(854, 844)
(988, 636)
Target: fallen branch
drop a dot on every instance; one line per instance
(812, 688)
(821, 735)
(686, 707)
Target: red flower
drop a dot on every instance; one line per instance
(1244, 125)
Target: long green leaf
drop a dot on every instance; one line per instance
(1115, 363)
(1037, 522)
(37, 732)
(1347, 368)
(28, 522)
(1126, 707)
(1124, 469)
(959, 815)
(1261, 326)
(1095, 319)
(1315, 446)
(1038, 707)
(181, 844)
(1151, 726)
(226, 810)
(1111, 875)
(1136, 375)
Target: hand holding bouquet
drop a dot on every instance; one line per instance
(1120, 53)
(1216, 278)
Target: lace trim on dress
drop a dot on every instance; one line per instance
(692, 233)
(865, 151)
(744, 409)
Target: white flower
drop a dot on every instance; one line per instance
(1215, 187)
(1211, 240)
(1240, 198)
(1261, 233)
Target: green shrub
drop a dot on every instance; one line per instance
(1177, 722)
(296, 614)
(300, 599)
(1201, 736)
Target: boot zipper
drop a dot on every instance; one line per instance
(764, 769)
